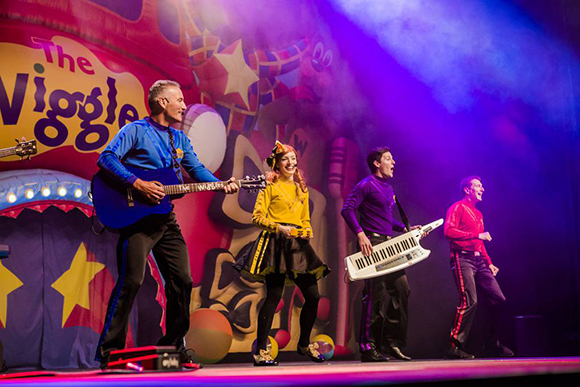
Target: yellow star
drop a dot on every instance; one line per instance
(240, 75)
(74, 283)
(8, 283)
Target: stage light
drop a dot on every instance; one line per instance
(11, 197)
(459, 48)
(23, 189)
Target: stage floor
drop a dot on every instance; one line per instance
(564, 371)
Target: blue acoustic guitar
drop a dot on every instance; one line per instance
(119, 206)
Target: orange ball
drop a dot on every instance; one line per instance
(210, 335)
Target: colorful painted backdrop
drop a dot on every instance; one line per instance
(455, 88)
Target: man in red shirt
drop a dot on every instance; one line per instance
(472, 270)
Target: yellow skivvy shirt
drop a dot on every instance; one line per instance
(281, 202)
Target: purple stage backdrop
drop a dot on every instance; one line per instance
(488, 88)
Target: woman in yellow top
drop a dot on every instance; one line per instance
(282, 253)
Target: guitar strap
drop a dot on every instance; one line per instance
(401, 212)
(174, 162)
(403, 215)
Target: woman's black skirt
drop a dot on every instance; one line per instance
(274, 253)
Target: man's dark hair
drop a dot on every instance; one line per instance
(375, 155)
(466, 183)
(155, 92)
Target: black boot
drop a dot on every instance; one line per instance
(396, 353)
(372, 355)
(454, 352)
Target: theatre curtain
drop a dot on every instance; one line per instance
(54, 289)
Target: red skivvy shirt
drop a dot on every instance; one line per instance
(463, 224)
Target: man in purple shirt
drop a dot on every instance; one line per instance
(383, 330)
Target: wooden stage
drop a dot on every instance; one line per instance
(556, 371)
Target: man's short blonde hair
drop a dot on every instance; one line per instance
(156, 90)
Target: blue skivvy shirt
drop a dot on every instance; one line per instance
(145, 144)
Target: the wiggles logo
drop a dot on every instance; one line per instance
(60, 93)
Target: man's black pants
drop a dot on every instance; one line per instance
(472, 273)
(384, 324)
(161, 235)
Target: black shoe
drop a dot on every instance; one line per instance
(264, 358)
(397, 354)
(458, 353)
(312, 352)
(104, 362)
(496, 349)
(187, 357)
(372, 355)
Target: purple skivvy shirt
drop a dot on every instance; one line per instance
(374, 198)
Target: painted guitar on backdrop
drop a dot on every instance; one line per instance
(119, 206)
(24, 149)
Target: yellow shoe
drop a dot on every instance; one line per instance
(312, 352)
(264, 358)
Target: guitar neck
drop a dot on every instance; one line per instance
(7, 152)
(179, 189)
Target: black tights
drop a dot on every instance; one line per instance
(274, 290)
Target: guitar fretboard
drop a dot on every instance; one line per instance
(7, 152)
(178, 189)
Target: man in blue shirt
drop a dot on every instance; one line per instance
(152, 143)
